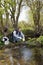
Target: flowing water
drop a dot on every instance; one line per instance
(21, 56)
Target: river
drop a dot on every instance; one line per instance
(21, 56)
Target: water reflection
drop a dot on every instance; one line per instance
(26, 53)
(21, 56)
(9, 55)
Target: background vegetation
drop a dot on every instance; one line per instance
(9, 17)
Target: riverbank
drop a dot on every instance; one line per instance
(31, 42)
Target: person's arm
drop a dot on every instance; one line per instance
(23, 37)
(14, 33)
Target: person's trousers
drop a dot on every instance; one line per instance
(16, 39)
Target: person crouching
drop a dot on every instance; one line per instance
(18, 35)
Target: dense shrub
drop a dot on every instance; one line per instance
(40, 39)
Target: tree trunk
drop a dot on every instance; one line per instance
(36, 17)
(7, 18)
(36, 22)
(1, 23)
(19, 7)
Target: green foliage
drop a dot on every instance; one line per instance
(32, 41)
(1, 35)
(1, 10)
(1, 42)
(9, 3)
(26, 26)
(40, 39)
(35, 6)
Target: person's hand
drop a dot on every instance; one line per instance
(20, 38)
(23, 39)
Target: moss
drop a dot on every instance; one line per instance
(40, 39)
(32, 41)
(1, 42)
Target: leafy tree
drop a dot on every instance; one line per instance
(35, 6)
(1, 16)
(11, 9)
